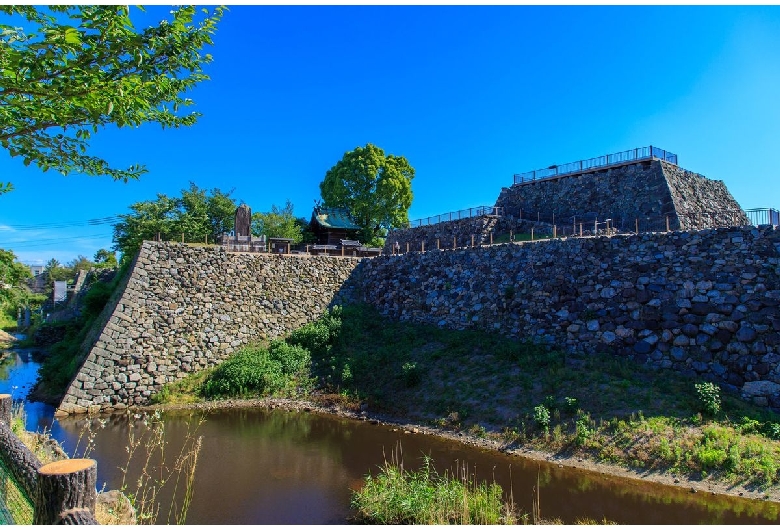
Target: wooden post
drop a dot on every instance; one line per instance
(437, 244)
(6, 405)
(491, 237)
(454, 244)
(182, 237)
(207, 239)
(667, 223)
(422, 246)
(595, 226)
(65, 485)
(636, 225)
(532, 233)
(342, 251)
(407, 247)
(580, 229)
(555, 231)
(472, 240)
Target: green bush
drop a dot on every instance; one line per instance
(542, 416)
(97, 298)
(294, 360)
(709, 397)
(250, 371)
(411, 374)
(318, 337)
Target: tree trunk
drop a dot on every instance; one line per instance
(77, 516)
(65, 485)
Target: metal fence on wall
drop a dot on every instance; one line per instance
(623, 157)
(454, 216)
(763, 216)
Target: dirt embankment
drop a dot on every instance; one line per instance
(328, 405)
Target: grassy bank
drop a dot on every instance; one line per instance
(600, 407)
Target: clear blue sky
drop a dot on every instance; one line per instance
(469, 95)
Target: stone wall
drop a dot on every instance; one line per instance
(704, 303)
(187, 308)
(448, 234)
(646, 192)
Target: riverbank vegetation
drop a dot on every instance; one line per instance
(396, 495)
(600, 407)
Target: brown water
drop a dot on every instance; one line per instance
(281, 467)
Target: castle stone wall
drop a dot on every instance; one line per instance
(187, 308)
(704, 303)
(646, 192)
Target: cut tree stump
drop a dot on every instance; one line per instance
(65, 485)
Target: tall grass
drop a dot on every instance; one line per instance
(399, 496)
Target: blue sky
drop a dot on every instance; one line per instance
(469, 95)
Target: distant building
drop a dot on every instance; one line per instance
(36, 269)
(331, 225)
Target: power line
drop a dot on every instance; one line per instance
(47, 226)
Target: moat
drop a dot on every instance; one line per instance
(262, 466)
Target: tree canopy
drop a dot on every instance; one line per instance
(69, 71)
(279, 222)
(375, 188)
(196, 215)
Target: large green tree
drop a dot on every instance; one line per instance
(375, 188)
(196, 215)
(68, 71)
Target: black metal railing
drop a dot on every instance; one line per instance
(632, 155)
(454, 216)
(763, 216)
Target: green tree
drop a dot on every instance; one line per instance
(56, 271)
(72, 70)
(147, 220)
(376, 189)
(195, 215)
(80, 263)
(105, 259)
(279, 222)
(14, 292)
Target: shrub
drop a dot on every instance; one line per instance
(293, 359)
(570, 404)
(542, 416)
(709, 397)
(250, 371)
(411, 374)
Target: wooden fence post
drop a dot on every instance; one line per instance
(422, 247)
(6, 405)
(437, 244)
(555, 231)
(454, 244)
(667, 223)
(532, 233)
(491, 237)
(636, 225)
(407, 247)
(65, 486)
(580, 229)
(472, 240)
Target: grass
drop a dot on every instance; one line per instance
(600, 407)
(398, 496)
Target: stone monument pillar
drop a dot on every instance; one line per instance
(243, 221)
